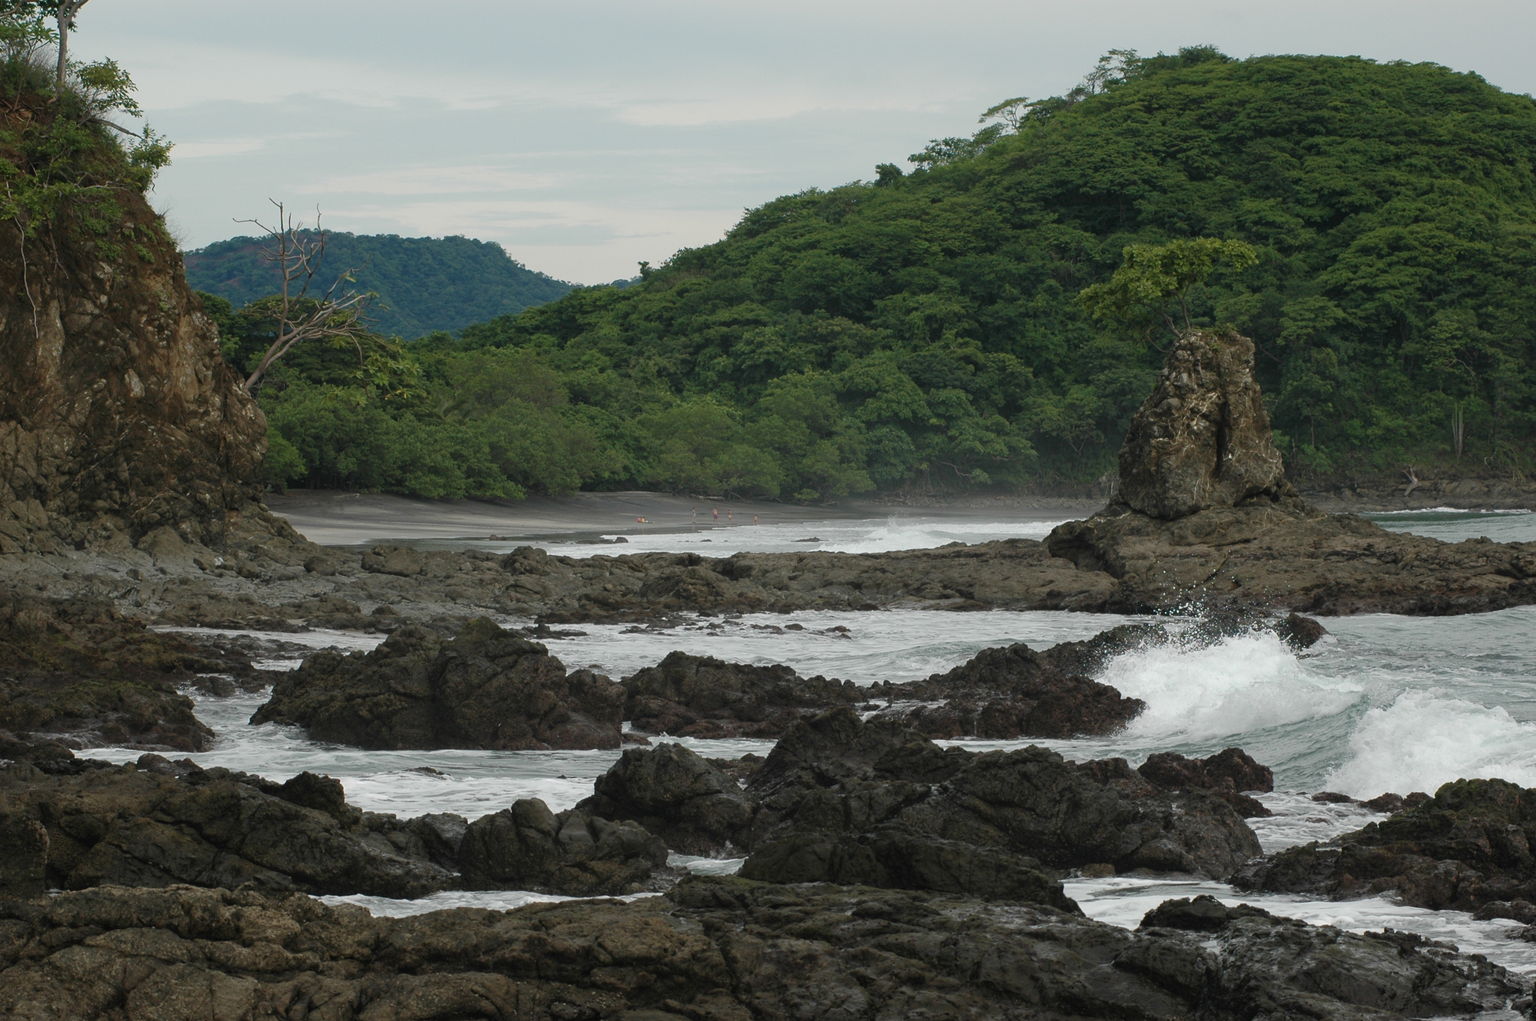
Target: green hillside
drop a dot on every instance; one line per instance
(924, 330)
(423, 284)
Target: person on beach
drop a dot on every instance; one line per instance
(716, 512)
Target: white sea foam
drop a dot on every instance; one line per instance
(1423, 739)
(1239, 685)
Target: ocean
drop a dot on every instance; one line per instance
(1385, 703)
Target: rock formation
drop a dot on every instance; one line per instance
(712, 949)
(485, 688)
(1469, 848)
(1202, 438)
(119, 420)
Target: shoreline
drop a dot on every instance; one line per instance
(338, 518)
(341, 518)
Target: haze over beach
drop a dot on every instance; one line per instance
(587, 138)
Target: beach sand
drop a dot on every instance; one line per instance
(343, 519)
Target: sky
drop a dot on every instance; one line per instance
(587, 136)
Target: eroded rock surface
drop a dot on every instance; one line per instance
(484, 688)
(711, 950)
(1202, 438)
(1468, 847)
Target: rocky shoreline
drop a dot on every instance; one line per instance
(884, 876)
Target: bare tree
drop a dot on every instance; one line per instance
(67, 9)
(336, 312)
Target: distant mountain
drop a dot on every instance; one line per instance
(423, 284)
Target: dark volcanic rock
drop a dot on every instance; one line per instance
(899, 858)
(485, 688)
(711, 950)
(1467, 847)
(678, 795)
(835, 776)
(699, 696)
(528, 847)
(1227, 774)
(133, 827)
(1280, 967)
(76, 669)
(1011, 692)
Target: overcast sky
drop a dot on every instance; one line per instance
(587, 135)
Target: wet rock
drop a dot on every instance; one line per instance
(700, 696)
(1468, 846)
(206, 827)
(900, 858)
(484, 688)
(1010, 692)
(78, 671)
(1280, 967)
(528, 847)
(835, 775)
(713, 948)
(675, 793)
(1227, 774)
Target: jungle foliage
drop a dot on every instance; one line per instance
(421, 284)
(1371, 226)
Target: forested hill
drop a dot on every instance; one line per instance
(423, 284)
(924, 329)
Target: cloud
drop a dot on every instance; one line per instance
(447, 180)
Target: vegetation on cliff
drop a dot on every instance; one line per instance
(924, 329)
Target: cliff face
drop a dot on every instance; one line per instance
(117, 414)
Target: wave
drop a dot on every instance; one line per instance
(1240, 685)
(1423, 739)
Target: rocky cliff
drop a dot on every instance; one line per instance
(117, 415)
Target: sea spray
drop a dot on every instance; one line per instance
(1423, 739)
(1239, 685)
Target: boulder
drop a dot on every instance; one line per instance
(145, 827)
(1467, 847)
(528, 847)
(484, 688)
(1228, 775)
(1010, 692)
(678, 795)
(700, 696)
(835, 775)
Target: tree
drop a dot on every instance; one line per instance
(62, 11)
(336, 313)
(1151, 277)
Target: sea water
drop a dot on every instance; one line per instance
(1384, 703)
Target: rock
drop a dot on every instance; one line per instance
(77, 670)
(1227, 775)
(700, 696)
(485, 688)
(720, 949)
(1280, 967)
(835, 776)
(1468, 846)
(1010, 692)
(119, 419)
(903, 859)
(677, 795)
(1202, 438)
(528, 847)
(207, 827)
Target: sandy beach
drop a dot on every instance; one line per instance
(341, 519)
(333, 518)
